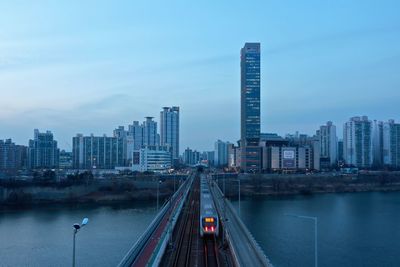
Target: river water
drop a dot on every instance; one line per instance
(43, 237)
(354, 229)
(359, 229)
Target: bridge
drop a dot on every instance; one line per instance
(175, 236)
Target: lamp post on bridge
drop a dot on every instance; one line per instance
(158, 192)
(315, 219)
(238, 180)
(77, 227)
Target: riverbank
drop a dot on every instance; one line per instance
(294, 184)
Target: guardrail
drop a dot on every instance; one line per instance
(250, 240)
(140, 244)
(158, 253)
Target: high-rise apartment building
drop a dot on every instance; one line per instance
(340, 151)
(169, 129)
(377, 144)
(221, 153)
(43, 152)
(391, 144)
(97, 152)
(150, 135)
(12, 156)
(357, 142)
(135, 132)
(191, 157)
(328, 142)
(250, 107)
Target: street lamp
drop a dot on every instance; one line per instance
(315, 219)
(77, 227)
(238, 180)
(158, 191)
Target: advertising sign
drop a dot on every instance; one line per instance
(289, 158)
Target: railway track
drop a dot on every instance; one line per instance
(211, 257)
(190, 248)
(187, 231)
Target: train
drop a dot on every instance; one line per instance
(209, 222)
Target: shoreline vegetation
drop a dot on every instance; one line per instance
(84, 188)
(302, 184)
(124, 189)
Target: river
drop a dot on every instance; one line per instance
(358, 229)
(354, 229)
(43, 236)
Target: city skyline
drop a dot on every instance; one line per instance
(80, 74)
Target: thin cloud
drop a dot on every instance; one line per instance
(330, 39)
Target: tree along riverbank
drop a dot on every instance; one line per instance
(102, 191)
(291, 184)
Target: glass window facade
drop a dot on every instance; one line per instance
(250, 107)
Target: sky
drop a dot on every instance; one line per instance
(89, 66)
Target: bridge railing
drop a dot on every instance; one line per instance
(140, 244)
(250, 240)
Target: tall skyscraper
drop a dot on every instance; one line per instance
(357, 142)
(43, 151)
(169, 129)
(250, 107)
(329, 142)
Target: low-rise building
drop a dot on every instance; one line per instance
(152, 158)
(65, 160)
(291, 153)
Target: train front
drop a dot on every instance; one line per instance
(209, 225)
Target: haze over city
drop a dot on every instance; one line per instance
(90, 67)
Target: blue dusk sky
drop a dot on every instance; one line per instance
(89, 66)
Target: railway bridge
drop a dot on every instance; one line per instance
(174, 238)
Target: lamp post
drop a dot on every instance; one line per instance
(315, 219)
(223, 179)
(238, 180)
(77, 227)
(158, 192)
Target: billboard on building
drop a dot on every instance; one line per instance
(289, 158)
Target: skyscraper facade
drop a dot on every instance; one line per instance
(357, 142)
(250, 107)
(169, 129)
(43, 152)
